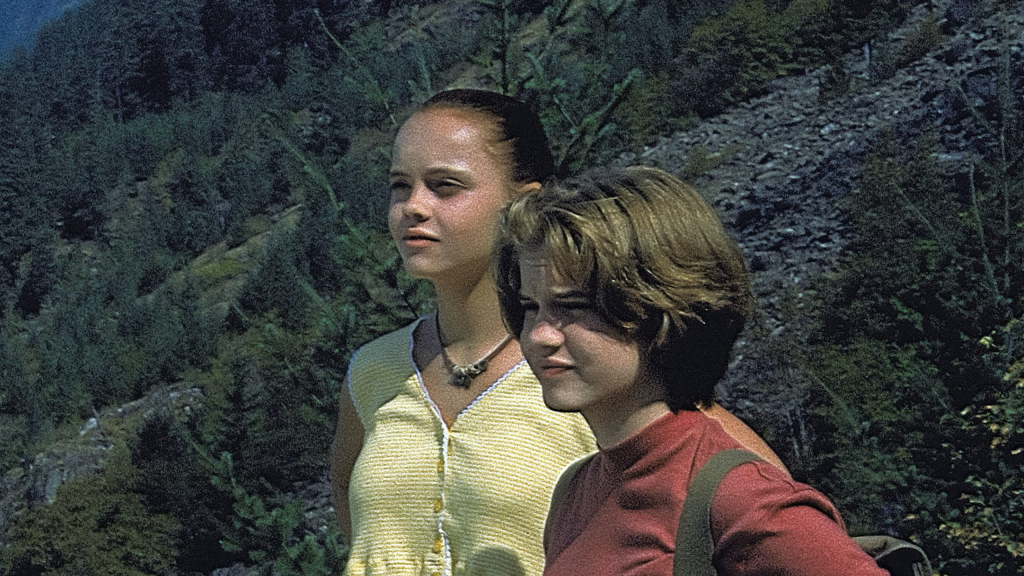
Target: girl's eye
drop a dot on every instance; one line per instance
(446, 186)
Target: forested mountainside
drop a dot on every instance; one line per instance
(19, 20)
(191, 200)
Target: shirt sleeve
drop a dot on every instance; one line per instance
(767, 524)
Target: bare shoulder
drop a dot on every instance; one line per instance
(348, 442)
(348, 435)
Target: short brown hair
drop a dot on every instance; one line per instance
(652, 256)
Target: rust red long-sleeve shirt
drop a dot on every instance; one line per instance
(620, 513)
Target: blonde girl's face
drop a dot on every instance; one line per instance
(450, 178)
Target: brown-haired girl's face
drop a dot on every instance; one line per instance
(584, 363)
(450, 178)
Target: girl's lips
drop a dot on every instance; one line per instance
(416, 239)
(552, 370)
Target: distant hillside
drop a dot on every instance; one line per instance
(20, 20)
(191, 248)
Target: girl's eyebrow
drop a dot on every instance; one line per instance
(434, 172)
(447, 171)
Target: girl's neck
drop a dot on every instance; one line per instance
(618, 418)
(469, 319)
(610, 429)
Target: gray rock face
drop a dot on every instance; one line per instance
(797, 157)
(789, 160)
(36, 482)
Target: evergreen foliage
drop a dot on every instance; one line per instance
(273, 531)
(22, 414)
(174, 479)
(194, 192)
(97, 525)
(915, 389)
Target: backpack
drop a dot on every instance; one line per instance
(694, 539)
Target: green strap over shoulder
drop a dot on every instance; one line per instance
(695, 545)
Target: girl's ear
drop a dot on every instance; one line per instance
(527, 188)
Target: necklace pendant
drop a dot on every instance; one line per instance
(461, 380)
(462, 376)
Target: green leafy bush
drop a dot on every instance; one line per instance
(921, 365)
(877, 409)
(988, 515)
(922, 40)
(735, 56)
(888, 59)
(834, 83)
(96, 526)
(271, 529)
(701, 161)
(647, 111)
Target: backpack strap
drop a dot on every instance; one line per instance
(559, 493)
(899, 557)
(695, 545)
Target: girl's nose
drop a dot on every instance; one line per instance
(416, 206)
(543, 332)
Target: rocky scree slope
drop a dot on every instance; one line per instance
(787, 159)
(795, 158)
(782, 164)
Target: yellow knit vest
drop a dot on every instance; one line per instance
(471, 500)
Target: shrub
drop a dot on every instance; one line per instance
(700, 161)
(888, 59)
(869, 460)
(646, 112)
(734, 57)
(924, 337)
(96, 526)
(988, 518)
(922, 40)
(834, 83)
(271, 528)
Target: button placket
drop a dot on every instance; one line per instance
(440, 544)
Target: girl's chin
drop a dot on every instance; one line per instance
(560, 403)
(421, 268)
(458, 275)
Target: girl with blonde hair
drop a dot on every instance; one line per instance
(445, 454)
